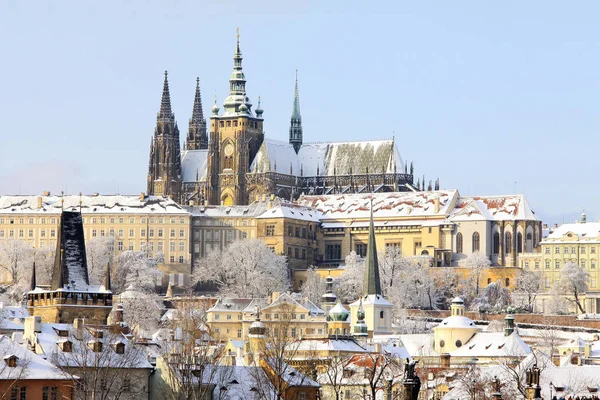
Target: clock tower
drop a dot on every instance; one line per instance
(235, 137)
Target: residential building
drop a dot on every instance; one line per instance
(25, 375)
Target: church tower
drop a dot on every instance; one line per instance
(196, 137)
(377, 310)
(235, 137)
(164, 167)
(296, 121)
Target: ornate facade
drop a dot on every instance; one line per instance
(237, 165)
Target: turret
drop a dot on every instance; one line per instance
(296, 121)
(237, 86)
(329, 298)
(359, 330)
(509, 321)
(257, 339)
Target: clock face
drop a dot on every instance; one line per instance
(229, 150)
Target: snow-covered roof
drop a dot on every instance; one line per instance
(48, 347)
(493, 208)
(230, 304)
(493, 344)
(29, 365)
(385, 205)
(194, 165)
(377, 299)
(344, 345)
(457, 321)
(238, 382)
(251, 210)
(329, 158)
(284, 209)
(583, 231)
(90, 205)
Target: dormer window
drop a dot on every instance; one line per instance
(119, 347)
(62, 332)
(95, 345)
(66, 346)
(11, 360)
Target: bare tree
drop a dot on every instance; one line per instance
(493, 299)
(108, 365)
(477, 262)
(16, 258)
(350, 284)
(252, 270)
(44, 261)
(573, 283)
(141, 310)
(332, 377)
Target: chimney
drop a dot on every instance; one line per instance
(33, 325)
(142, 196)
(445, 360)
(587, 350)
(78, 323)
(39, 202)
(46, 193)
(436, 204)
(191, 203)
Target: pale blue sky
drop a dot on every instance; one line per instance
(479, 94)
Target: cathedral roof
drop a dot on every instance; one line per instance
(194, 165)
(328, 159)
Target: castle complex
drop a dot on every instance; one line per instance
(236, 164)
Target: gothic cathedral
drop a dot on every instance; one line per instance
(236, 165)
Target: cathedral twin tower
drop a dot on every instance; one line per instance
(236, 165)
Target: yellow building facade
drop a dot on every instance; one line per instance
(577, 243)
(133, 222)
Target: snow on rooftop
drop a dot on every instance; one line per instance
(588, 230)
(385, 205)
(495, 208)
(194, 164)
(328, 158)
(284, 209)
(90, 204)
(29, 364)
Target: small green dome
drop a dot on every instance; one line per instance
(338, 313)
(243, 107)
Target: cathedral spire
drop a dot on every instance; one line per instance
(372, 281)
(196, 138)
(165, 102)
(237, 86)
(33, 280)
(296, 121)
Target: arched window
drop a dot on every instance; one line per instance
(489, 281)
(459, 243)
(380, 314)
(475, 242)
(508, 243)
(519, 242)
(507, 282)
(496, 243)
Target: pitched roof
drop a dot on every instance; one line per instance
(70, 264)
(194, 164)
(588, 230)
(495, 208)
(329, 158)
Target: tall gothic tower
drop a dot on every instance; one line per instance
(164, 169)
(296, 121)
(196, 137)
(235, 137)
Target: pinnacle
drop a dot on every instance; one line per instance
(372, 281)
(197, 113)
(165, 103)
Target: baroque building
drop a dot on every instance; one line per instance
(236, 165)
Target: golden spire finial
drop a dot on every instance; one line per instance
(237, 33)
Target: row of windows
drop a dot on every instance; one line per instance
(557, 264)
(93, 220)
(297, 231)
(217, 222)
(508, 242)
(573, 250)
(297, 253)
(475, 242)
(20, 233)
(548, 282)
(151, 232)
(229, 124)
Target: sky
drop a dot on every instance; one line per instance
(491, 97)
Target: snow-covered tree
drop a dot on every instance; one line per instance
(528, 284)
(44, 262)
(476, 262)
(314, 287)
(246, 268)
(137, 270)
(573, 283)
(392, 264)
(557, 303)
(493, 299)
(350, 284)
(99, 252)
(16, 260)
(141, 310)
